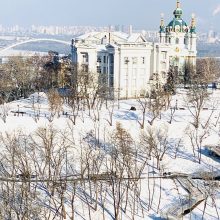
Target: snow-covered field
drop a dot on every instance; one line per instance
(92, 135)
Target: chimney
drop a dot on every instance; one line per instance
(130, 29)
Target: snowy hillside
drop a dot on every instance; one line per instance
(70, 163)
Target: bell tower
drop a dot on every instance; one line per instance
(177, 32)
(178, 40)
(193, 37)
(162, 30)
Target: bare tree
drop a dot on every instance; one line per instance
(55, 103)
(172, 113)
(22, 74)
(144, 104)
(207, 70)
(120, 166)
(197, 137)
(74, 103)
(197, 97)
(110, 107)
(4, 111)
(156, 143)
(159, 100)
(17, 201)
(26, 159)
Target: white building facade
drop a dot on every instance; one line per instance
(129, 62)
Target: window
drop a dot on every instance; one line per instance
(142, 72)
(134, 60)
(126, 82)
(163, 74)
(99, 59)
(104, 80)
(111, 58)
(104, 59)
(111, 70)
(99, 69)
(177, 40)
(126, 61)
(85, 57)
(134, 73)
(111, 81)
(104, 70)
(163, 66)
(177, 28)
(164, 55)
(133, 82)
(85, 68)
(142, 83)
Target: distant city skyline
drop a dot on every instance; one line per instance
(142, 14)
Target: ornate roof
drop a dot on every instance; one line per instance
(177, 24)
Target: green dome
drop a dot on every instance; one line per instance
(178, 13)
(175, 22)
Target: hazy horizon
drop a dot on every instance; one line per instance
(142, 14)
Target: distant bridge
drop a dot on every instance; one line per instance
(2, 50)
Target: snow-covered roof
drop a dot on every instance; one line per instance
(136, 38)
(112, 37)
(87, 35)
(121, 35)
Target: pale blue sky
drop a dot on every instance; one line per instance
(139, 13)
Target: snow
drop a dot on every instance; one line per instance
(184, 163)
(133, 38)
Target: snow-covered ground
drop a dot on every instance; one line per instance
(157, 195)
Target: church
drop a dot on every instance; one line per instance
(131, 64)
